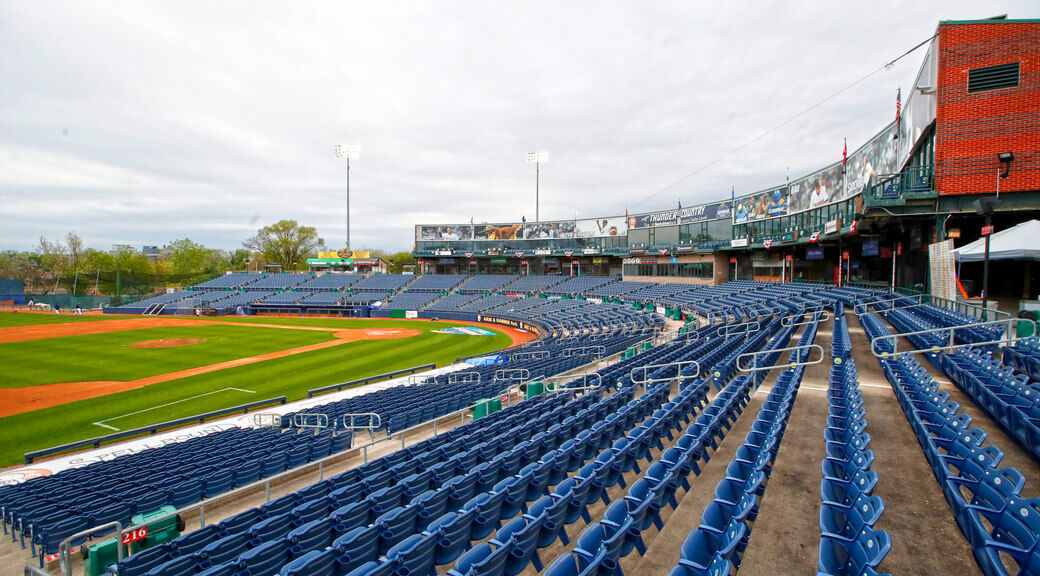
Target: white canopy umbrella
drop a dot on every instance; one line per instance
(1020, 242)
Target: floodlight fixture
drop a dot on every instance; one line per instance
(536, 157)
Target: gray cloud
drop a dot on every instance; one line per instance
(143, 122)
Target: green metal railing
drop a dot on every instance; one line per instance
(913, 180)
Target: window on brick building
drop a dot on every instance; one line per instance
(993, 77)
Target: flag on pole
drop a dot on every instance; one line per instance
(899, 107)
(844, 154)
(679, 201)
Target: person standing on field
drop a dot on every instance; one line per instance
(79, 311)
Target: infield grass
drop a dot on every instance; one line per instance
(289, 376)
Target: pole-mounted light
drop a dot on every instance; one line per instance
(537, 158)
(346, 152)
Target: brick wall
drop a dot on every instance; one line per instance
(973, 128)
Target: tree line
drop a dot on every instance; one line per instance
(66, 265)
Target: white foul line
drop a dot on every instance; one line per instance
(103, 425)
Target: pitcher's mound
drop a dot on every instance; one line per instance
(168, 343)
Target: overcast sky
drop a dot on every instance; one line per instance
(144, 122)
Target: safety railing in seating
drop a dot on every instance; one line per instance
(679, 365)
(952, 331)
(754, 367)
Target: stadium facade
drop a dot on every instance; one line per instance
(908, 188)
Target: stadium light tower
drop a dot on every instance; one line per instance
(346, 152)
(537, 158)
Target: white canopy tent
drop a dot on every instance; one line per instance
(1020, 242)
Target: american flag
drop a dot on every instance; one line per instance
(844, 154)
(899, 107)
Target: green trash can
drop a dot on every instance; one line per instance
(486, 406)
(159, 531)
(532, 389)
(98, 557)
(1025, 329)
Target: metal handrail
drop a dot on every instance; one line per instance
(264, 419)
(985, 311)
(865, 306)
(756, 368)
(63, 549)
(31, 570)
(725, 330)
(302, 420)
(1009, 322)
(573, 377)
(419, 379)
(512, 374)
(464, 377)
(788, 321)
(375, 421)
(583, 350)
(679, 375)
(532, 355)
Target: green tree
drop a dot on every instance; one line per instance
(189, 258)
(239, 259)
(399, 261)
(286, 243)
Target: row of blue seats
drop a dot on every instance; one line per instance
(717, 545)
(446, 538)
(516, 544)
(602, 544)
(378, 485)
(48, 509)
(849, 544)
(998, 523)
(1024, 357)
(1010, 399)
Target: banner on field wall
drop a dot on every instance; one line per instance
(518, 324)
(587, 228)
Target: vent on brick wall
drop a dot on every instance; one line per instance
(993, 77)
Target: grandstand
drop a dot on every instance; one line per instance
(686, 452)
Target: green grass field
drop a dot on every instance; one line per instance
(289, 376)
(33, 319)
(110, 356)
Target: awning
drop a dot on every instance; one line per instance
(1020, 242)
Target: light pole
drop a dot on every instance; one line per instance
(346, 152)
(537, 158)
(987, 206)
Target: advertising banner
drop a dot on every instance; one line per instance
(344, 254)
(814, 253)
(870, 248)
(827, 186)
(588, 228)
(676, 217)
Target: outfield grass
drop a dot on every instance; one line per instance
(32, 318)
(110, 356)
(289, 376)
